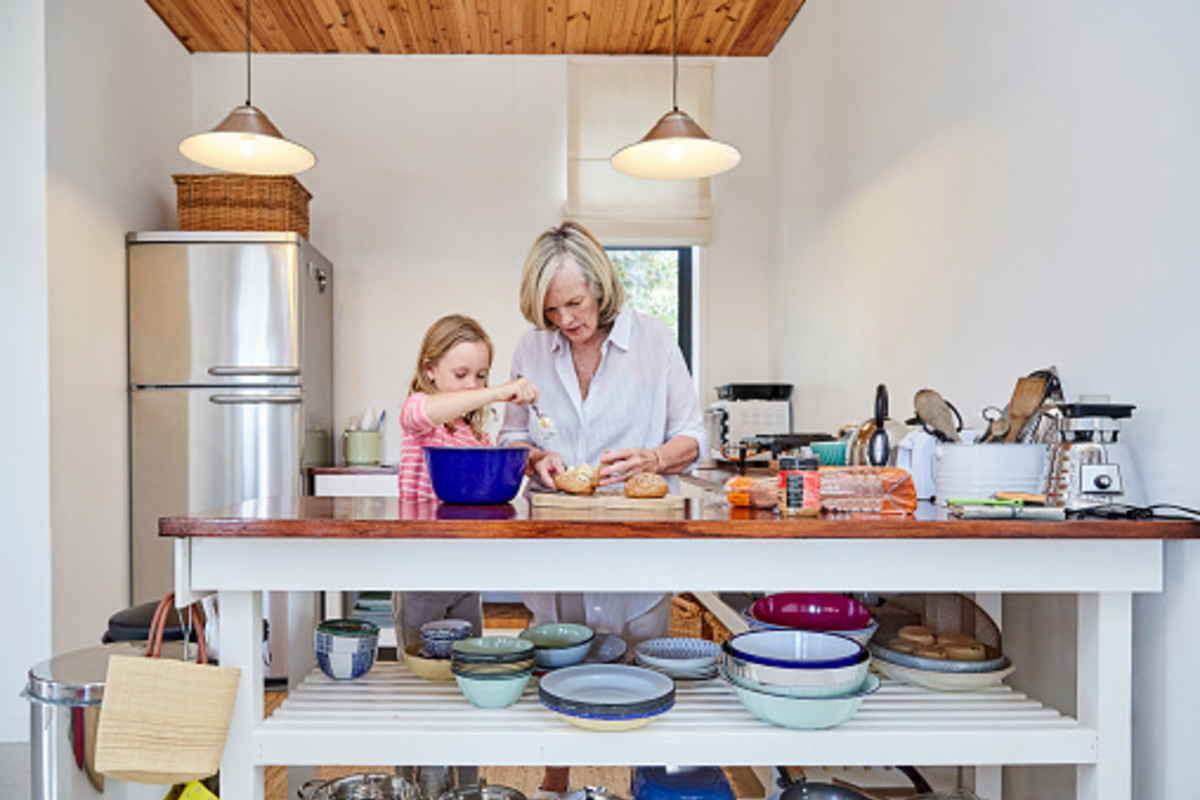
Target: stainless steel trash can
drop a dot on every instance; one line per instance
(64, 696)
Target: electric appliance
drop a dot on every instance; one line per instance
(1089, 467)
(746, 410)
(230, 375)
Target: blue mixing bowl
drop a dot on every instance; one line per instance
(476, 475)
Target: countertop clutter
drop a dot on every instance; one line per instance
(320, 544)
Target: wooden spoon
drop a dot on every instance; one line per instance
(1026, 398)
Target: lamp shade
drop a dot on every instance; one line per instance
(676, 148)
(246, 141)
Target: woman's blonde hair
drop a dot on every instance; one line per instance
(443, 335)
(557, 247)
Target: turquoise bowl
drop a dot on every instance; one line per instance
(802, 713)
(560, 644)
(491, 650)
(498, 692)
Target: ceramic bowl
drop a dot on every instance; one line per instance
(439, 635)
(805, 713)
(678, 654)
(431, 669)
(796, 682)
(812, 611)
(861, 635)
(493, 692)
(944, 681)
(606, 690)
(559, 644)
(795, 649)
(491, 650)
(882, 653)
(346, 648)
(476, 475)
(471, 669)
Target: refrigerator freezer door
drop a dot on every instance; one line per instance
(214, 313)
(203, 449)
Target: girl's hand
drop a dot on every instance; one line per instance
(617, 466)
(519, 391)
(544, 465)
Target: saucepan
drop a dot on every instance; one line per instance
(802, 789)
(361, 786)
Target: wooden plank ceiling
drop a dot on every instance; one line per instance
(533, 27)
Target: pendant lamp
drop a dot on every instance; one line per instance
(676, 147)
(246, 141)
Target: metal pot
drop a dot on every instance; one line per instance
(483, 791)
(593, 793)
(362, 786)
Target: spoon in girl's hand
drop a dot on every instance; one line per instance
(545, 427)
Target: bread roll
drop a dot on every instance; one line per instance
(917, 633)
(901, 645)
(950, 639)
(582, 479)
(966, 652)
(932, 652)
(646, 484)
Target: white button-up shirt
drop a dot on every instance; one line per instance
(640, 396)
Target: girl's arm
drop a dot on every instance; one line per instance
(443, 407)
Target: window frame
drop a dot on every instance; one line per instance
(684, 286)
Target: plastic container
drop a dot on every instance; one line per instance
(872, 490)
(799, 487)
(680, 783)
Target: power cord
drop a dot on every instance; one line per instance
(1153, 511)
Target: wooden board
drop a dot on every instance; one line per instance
(603, 500)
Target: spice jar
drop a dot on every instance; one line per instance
(799, 487)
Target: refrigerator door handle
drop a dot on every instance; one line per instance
(244, 371)
(251, 400)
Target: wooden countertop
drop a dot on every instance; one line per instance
(389, 518)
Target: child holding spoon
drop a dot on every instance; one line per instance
(446, 405)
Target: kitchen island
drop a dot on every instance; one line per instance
(328, 544)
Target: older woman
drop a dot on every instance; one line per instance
(611, 379)
(614, 385)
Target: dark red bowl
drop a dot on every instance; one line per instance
(812, 611)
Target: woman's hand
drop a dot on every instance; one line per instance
(520, 391)
(544, 465)
(617, 466)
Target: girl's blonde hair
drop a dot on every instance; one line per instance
(443, 335)
(554, 249)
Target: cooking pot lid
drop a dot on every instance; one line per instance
(77, 678)
(592, 793)
(483, 791)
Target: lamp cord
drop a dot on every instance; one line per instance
(674, 55)
(248, 52)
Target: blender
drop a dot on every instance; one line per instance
(1089, 468)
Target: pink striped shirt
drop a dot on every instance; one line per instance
(416, 431)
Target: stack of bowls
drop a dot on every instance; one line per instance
(439, 635)
(812, 611)
(346, 648)
(607, 697)
(798, 679)
(492, 671)
(679, 658)
(559, 644)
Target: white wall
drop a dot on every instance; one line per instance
(436, 174)
(966, 192)
(25, 471)
(118, 100)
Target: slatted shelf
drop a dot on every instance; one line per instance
(391, 717)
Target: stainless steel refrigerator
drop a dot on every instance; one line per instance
(230, 378)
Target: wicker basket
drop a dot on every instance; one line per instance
(689, 618)
(236, 202)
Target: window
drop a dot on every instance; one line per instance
(658, 282)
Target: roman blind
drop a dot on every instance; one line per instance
(611, 103)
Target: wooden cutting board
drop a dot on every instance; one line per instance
(603, 500)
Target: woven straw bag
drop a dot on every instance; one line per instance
(164, 721)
